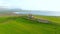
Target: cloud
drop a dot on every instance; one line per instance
(50, 5)
(9, 3)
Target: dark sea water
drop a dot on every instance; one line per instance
(45, 13)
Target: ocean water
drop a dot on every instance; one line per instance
(45, 13)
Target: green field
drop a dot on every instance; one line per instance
(18, 25)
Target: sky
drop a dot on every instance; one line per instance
(49, 5)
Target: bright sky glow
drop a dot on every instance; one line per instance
(50, 5)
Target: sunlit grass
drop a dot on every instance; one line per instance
(16, 25)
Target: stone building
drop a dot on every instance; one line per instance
(43, 21)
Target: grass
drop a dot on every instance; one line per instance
(19, 25)
(51, 18)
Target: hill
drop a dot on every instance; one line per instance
(18, 25)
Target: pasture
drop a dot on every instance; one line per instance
(19, 25)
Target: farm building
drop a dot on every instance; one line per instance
(42, 20)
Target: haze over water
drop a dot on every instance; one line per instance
(45, 13)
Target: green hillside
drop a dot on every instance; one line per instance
(19, 25)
